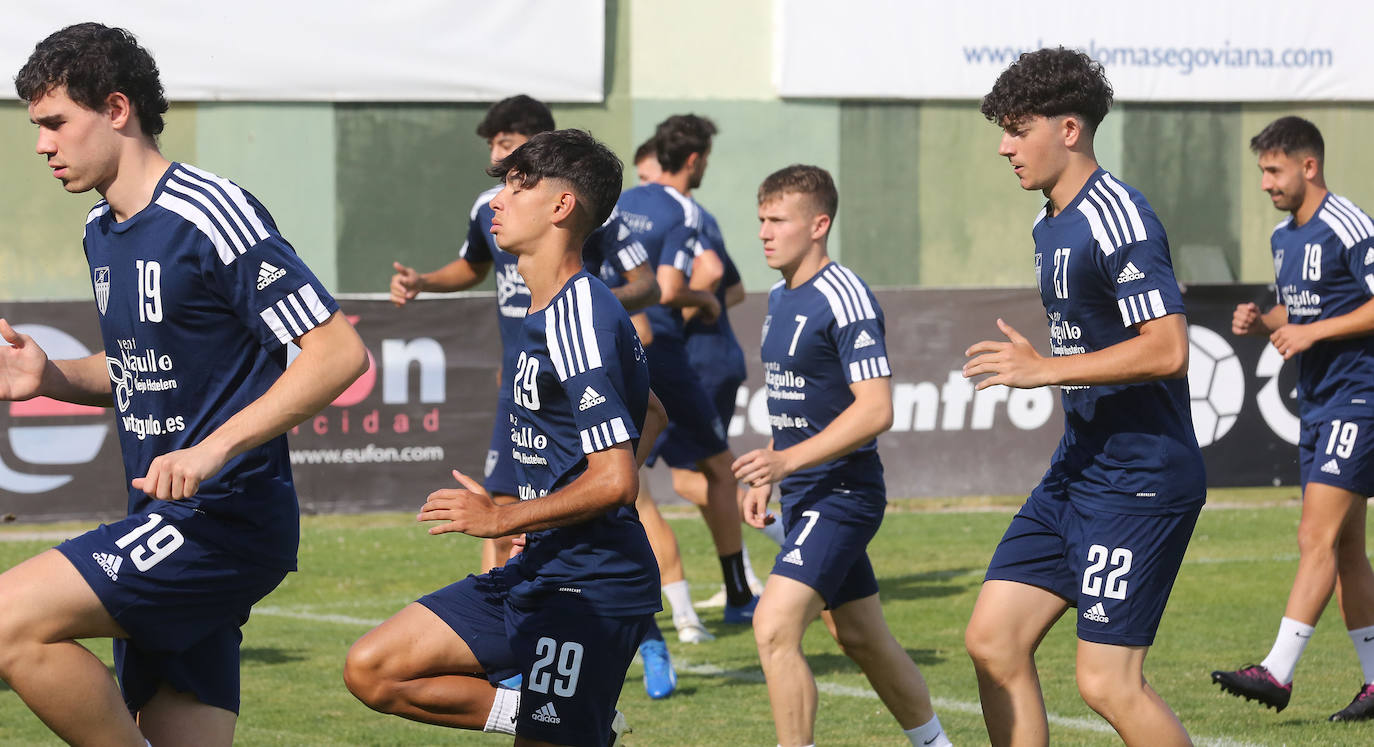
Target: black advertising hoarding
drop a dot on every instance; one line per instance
(426, 406)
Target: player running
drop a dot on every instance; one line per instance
(1324, 269)
(829, 396)
(569, 611)
(1106, 529)
(198, 295)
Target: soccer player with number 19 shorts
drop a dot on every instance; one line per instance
(1106, 529)
(1324, 267)
(197, 296)
(829, 396)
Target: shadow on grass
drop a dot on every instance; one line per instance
(943, 583)
(269, 655)
(835, 663)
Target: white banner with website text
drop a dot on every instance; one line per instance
(324, 50)
(1168, 50)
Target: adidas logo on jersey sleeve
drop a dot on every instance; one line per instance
(109, 563)
(547, 714)
(864, 340)
(268, 274)
(793, 556)
(1130, 273)
(590, 399)
(1331, 468)
(1097, 614)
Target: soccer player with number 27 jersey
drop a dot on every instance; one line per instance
(1106, 529)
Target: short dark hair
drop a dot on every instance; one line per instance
(1050, 83)
(94, 61)
(646, 149)
(575, 158)
(1290, 135)
(519, 114)
(812, 181)
(679, 136)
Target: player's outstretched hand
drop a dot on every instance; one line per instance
(1244, 318)
(761, 467)
(1013, 363)
(405, 284)
(468, 509)
(21, 365)
(178, 474)
(1291, 339)
(755, 507)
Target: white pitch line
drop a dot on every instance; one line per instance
(829, 688)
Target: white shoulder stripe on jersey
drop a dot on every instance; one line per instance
(691, 212)
(582, 290)
(837, 307)
(859, 290)
(604, 435)
(1111, 218)
(1104, 239)
(571, 334)
(1357, 213)
(1282, 223)
(100, 209)
(223, 188)
(777, 285)
(1141, 307)
(1039, 217)
(196, 217)
(632, 256)
(212, 214)
(846, 293)
(868, 368)
(1350, 216)
(1338, 226)
(555, 347)
(682, 260)
(1127, 205)
(230, 220)
(295, 314)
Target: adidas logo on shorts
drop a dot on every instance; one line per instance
(590, 399)
(1331, 468)
(547, 714)
(1097, 614)
(109, 563)
(1131, 272)
(864, 340)
(793, 556)
(267, 274)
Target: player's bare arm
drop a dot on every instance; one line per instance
(867, 416)
(675, 291)
(1291, 339)
(26, 372)
(332, 356)
(457, 275)
(707, 272)
(611, 480)
(734, 295)
(655, 420)
(1247, 320)
(640, 290)
(1158, 351)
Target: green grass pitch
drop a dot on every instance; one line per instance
(357, 570)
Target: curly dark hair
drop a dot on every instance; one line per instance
(520, 114)
(575, 158)
(1290, 136)
(1050, 83)
(812, 181)
(679, 136)
(646, 149)
(94, 61)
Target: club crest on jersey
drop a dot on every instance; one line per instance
(1038, 263)
(1278, 262)
(767, 320)
(269, 274)
(101, 278)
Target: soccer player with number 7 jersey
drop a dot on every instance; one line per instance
(1324, 268)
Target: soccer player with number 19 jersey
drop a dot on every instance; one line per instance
(197, 296)
(1106, 529)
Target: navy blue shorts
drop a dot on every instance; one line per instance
(1338, 450)
(1116, 569)
(499, 471)
(694, 429)
(180, 601)
(573, 664)
(826, 548)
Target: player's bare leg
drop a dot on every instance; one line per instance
(1112, 682)
(722, 504)
(661, 537)
(1009, 621)
(174, 719)
(415, 666)
(1327, 511)
(48, 605)
(1354, 576)
(863, 634)
(496, 550)
(691, 485)
(784, 611)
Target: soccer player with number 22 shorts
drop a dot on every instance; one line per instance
(1106, 529)
(197, 296)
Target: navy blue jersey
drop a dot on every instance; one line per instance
(198, 296)
(712, 347)
(1103, 267)
(1325, 268)
(819, 338)
(512, 297)
(580, 385)
(666, 224)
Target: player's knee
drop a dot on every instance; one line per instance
(1102, 693)
(365, 676)
(985, 645)
(773, 633)
(1315, 538)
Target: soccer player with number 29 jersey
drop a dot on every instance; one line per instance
(1324, 267)
(197, 296)
(1106, 529)
(829, 396)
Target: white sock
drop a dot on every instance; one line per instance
(929, 734)
(774, 532)
(680, 599)
(1363, 638)
(750, 577)
(1288, 647)
(503, 712)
